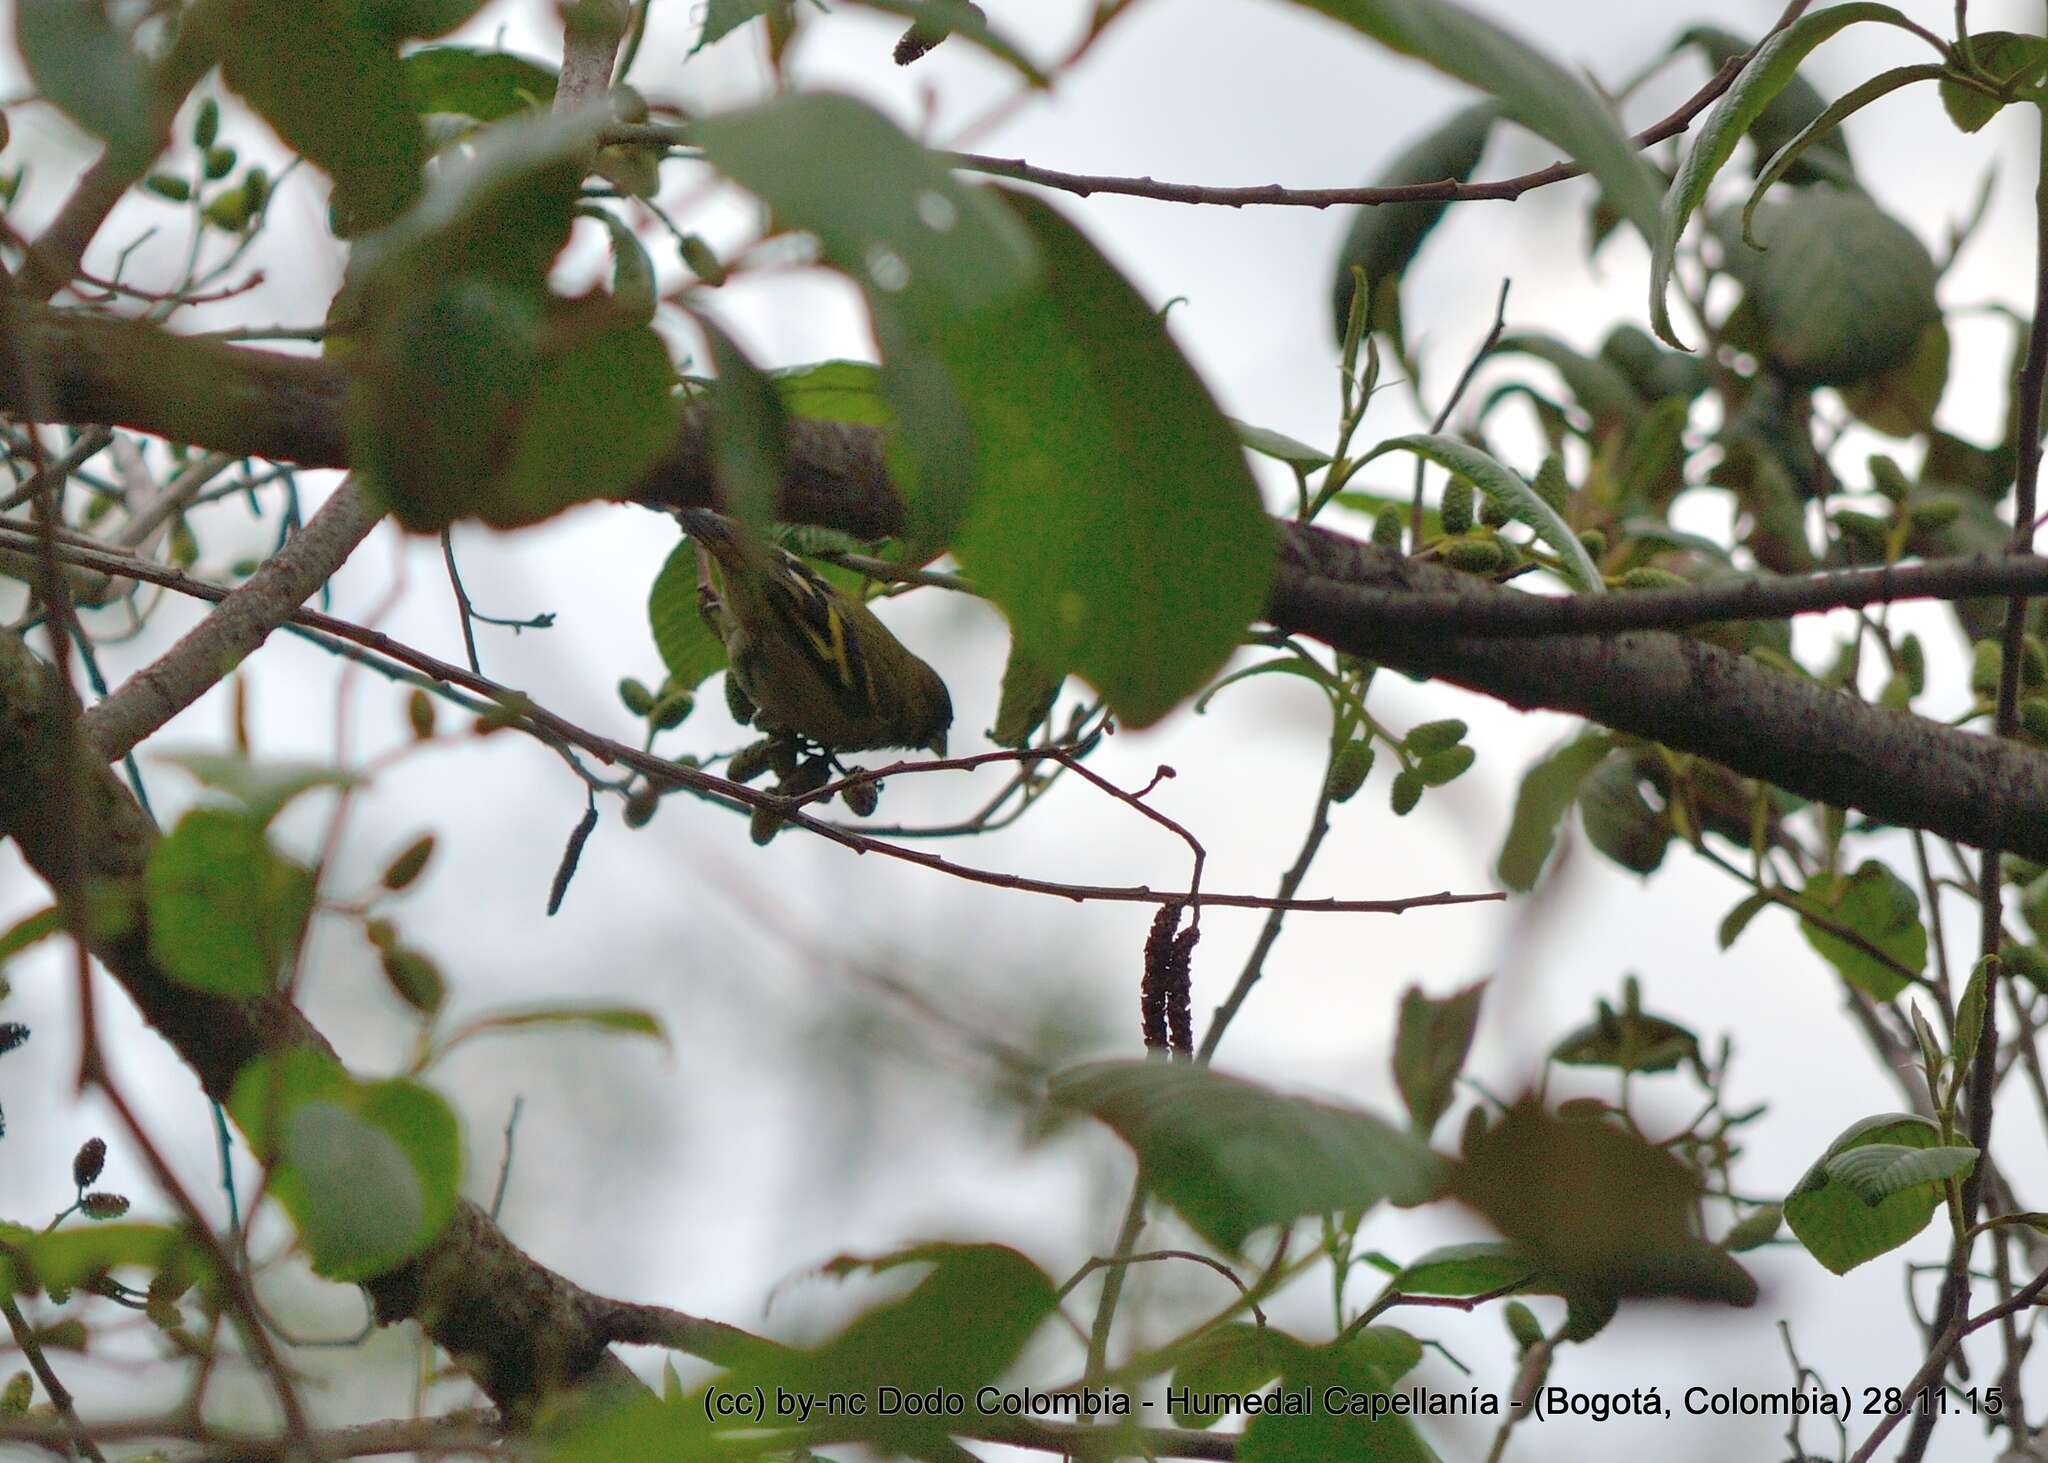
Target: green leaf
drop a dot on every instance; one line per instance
(1882, 908)
(1754, 1230)
(1970, 1013)
(1785, 116)
(1832, 1219)
(1548, 790)
(1786, 161)
(1714, 140)
(369, 1172)
(1346, 1417)
(1279, 446)
(1619, 820)
(263, 789)
(323, 76)
(835, 391)
(1630, 1040)
(1029, 691)
(225, 910)
(688, 648)
(1506, 490)
(1431, 1039)
(1602, 1211)
(1232, 1157)
(87, 67)
(30, 930)
(1473, 1268)
(63, 1259)
(928, 252)
(748, 431)
(601, 414)
(2013, 61)
(1236, 1357)
(962, 1326)
(1901, 402)
(723, 17)
(1543, 96)
(1876, 1171)
(466, 82)
(1737, 919)
(1385, 237)
(1842, 291)
(1128, 546)
(624, 1020)
(1601, 389)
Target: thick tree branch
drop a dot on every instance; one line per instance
(242, 621)
(1763, 723)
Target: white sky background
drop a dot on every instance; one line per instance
(801, 1113)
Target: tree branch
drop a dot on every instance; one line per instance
(1763, 723)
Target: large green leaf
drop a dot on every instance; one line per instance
(1880, 907)
(1547, 793)
(1837, 1224)
(1232, 1157)
(1714, 139)
(1344, 1414)
(327, 78)
(1114, 519)
(225, 910)
(1472, 1268)
(1384, 237)
(87, 67)
(369, 1172)
(1841, 290)
(1507, 491)
(1531, 88)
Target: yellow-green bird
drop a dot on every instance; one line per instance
(815, 662)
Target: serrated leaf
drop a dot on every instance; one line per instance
(1506, 490)
(225, 910)
(1714, 139)
(1876, 1171)
(1880, 907)
(1835, 1224)
(1232, 1157)
(1431, 1039)
(1548, 791)
(369, 1172)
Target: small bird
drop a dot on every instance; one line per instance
(816, 663)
